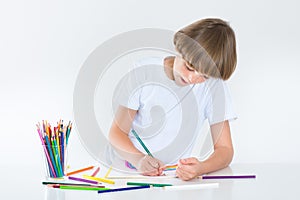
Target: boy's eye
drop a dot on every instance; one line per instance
(205, 77)
(189, 68)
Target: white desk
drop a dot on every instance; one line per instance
(273, 181)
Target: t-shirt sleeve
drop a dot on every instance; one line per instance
(127, 93)
(219, 107)
(129, 89)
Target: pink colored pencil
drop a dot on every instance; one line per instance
(96, 171)
(46, 152)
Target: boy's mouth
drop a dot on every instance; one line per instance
(183, 81)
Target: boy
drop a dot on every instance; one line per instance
(206, 57)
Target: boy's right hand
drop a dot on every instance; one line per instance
(150, 166)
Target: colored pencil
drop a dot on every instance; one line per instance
(82, 180)
(89, 186)
(47, 154)
(170, 169)
(80, 170)
(227, 177)
(54, 144)
(48, 144)
(96, 171)
(142, 177)
(62, 148)
(56, 136)
(171, 166)
(108, 172)
(141, 142)
(149, 184)
(81, 188)
(124, 189)
(44, 131)
(104, 180)
(66, 183)
(57, 157)
(68, 131)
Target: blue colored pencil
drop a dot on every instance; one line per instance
(68, 131)
(51, 154)
(124, 189)
(141, 142)
(62, 148)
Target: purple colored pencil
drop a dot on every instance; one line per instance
(82, 180)
(228, 177)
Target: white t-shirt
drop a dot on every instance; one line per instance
(170, 117)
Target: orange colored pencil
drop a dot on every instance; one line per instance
(80, 170)
(171, 166)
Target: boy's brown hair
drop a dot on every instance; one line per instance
(209, 46)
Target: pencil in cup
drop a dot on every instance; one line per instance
(55, 161)
(54, 144)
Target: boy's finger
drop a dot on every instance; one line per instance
(150, 172)
(181, 174)
(187, 161)
(154, 164)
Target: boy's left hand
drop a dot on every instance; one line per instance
(188, 168)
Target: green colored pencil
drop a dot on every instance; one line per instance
(141, 142)
(81, 188)
(149, 184)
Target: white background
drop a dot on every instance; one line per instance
(44, 43)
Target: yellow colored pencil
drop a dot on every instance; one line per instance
(56, 133)
(104, 180)
(108, 172)
(171, 166)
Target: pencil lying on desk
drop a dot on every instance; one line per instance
(82, 180)
(226, 176)
(124, 189)
(149, 184)
(96, 171)
(108, 172)
(74, 185)
(65, 183)
(79, 170)
(67, 187)
(104, 180)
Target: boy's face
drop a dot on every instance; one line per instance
(184, 74)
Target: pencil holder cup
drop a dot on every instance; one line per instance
(55, 159)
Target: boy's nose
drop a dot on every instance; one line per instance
(195, 79)
(190, 78)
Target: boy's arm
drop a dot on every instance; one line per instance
(118, 134)
(190, 168)
(118, 137)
